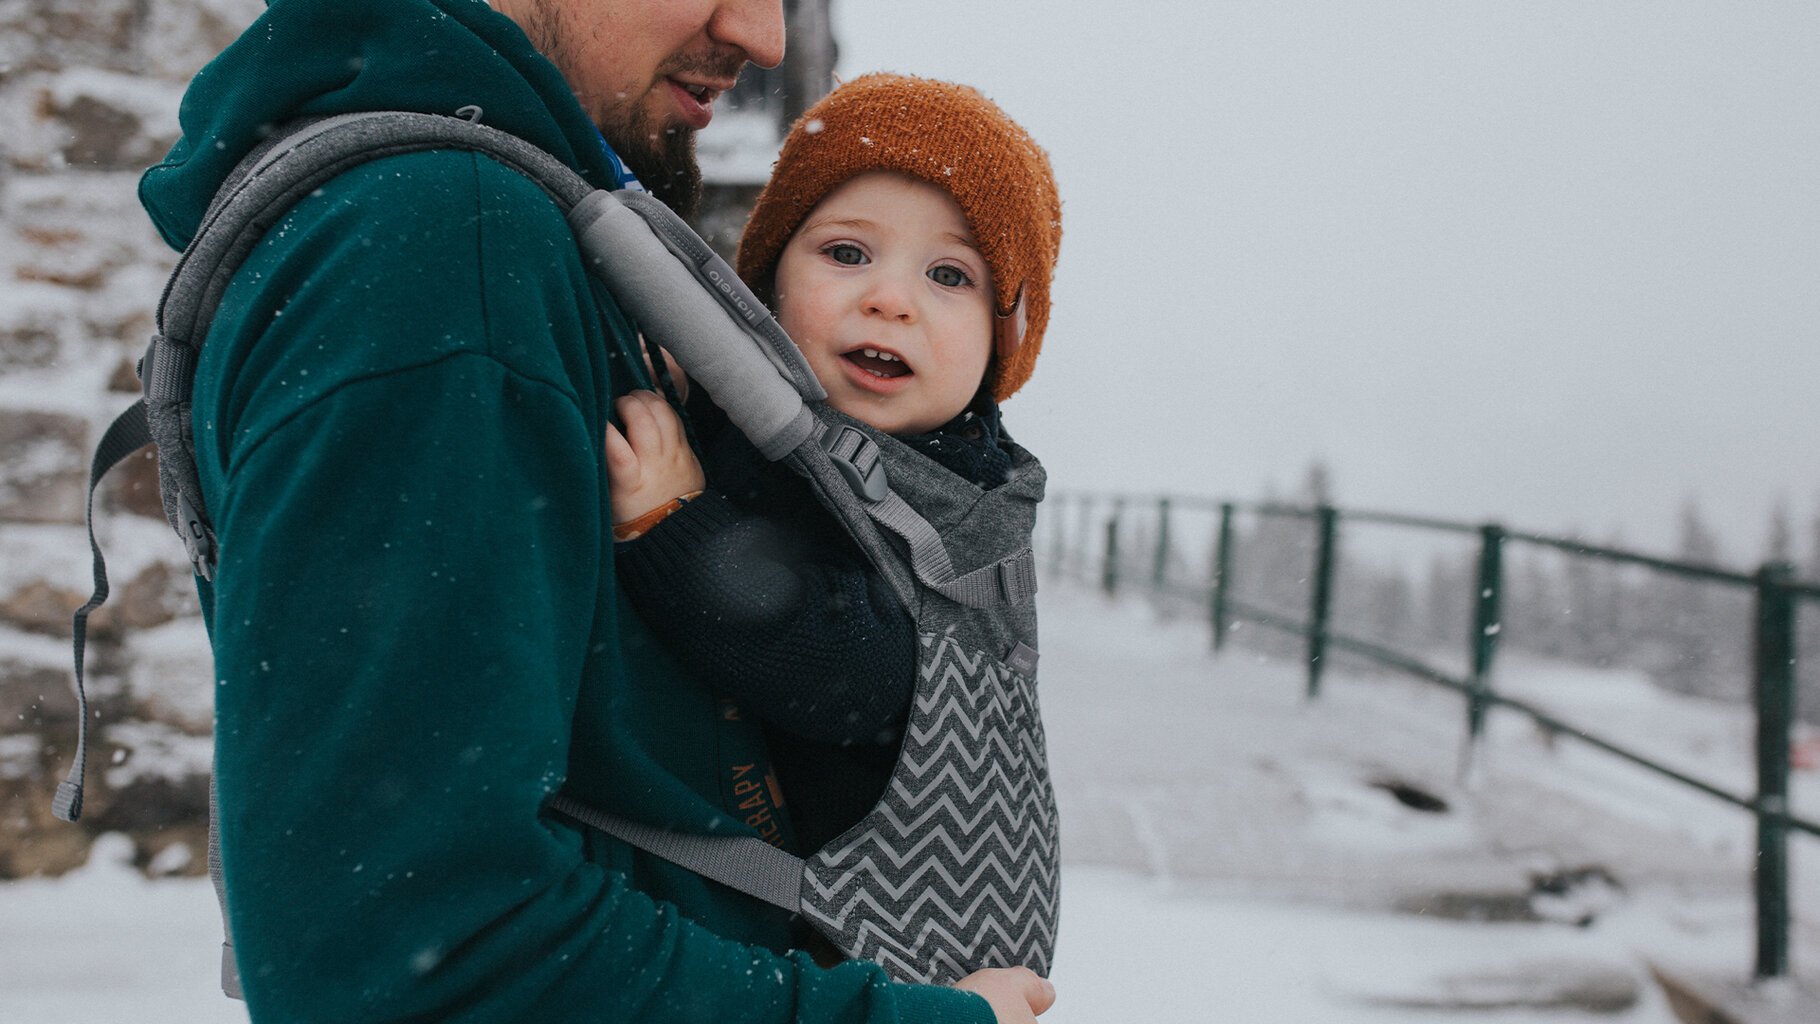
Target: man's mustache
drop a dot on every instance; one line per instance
(717, 64)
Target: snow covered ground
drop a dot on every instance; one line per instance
(1235, 854)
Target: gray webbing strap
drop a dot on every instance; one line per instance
(745, 863)
(230, 971)
(126, 435)
(1009, 581)
(243, 210)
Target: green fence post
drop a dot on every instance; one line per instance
(1487, 623)
(1159, 571)
(1109, 572)
(1222, 575)
(1775, 671)
(1325, 518)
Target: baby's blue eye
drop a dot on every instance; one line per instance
(949, 276)
(845, 254)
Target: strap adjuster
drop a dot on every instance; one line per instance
(198, 539)
(144, 367)
(856, 456)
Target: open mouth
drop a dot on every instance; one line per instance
(696, 101)
(878, 362)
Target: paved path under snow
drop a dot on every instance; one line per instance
(1229, 858)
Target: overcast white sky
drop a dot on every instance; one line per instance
(1554, 262)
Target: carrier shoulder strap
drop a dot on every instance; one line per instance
(1010, 581)
(745, 863)
(256, 195)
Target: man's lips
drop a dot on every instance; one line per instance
(695, 100)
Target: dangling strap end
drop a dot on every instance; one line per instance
(230, 973)
(67, 804)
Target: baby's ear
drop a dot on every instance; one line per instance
(1008, 328)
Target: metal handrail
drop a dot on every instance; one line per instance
(1779, 599)
(1393, 658)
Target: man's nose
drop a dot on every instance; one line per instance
(755, 26)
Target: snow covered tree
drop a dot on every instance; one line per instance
(1811, 565)
(1275, 562)
(1781, 546)
(1694, 634)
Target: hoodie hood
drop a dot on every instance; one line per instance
(314, 58)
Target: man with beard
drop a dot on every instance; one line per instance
(399, 414)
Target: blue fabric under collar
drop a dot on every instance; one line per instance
(622, 175)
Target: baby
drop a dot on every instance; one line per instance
(906, 240)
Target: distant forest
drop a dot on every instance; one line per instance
(1688, 636)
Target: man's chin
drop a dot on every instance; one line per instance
(678, 185)
(665, 165)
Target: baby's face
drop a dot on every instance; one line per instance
(883, 290)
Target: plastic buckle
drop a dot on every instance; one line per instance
(197, 540)
(847, 448)
(144, 367)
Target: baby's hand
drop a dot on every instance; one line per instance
(651, 463)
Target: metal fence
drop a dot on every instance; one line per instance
(1096, 520)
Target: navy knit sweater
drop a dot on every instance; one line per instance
(760, 592)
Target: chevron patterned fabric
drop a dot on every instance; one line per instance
(957, 868)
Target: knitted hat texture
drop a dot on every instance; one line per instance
(945, 134)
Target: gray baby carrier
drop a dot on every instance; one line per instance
(956, 868)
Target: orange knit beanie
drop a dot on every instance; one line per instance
(954, 138)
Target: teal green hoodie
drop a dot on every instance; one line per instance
(418, 638)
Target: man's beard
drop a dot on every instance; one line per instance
(662, 157)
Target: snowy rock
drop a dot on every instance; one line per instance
(91, 119)
(67, 258)
(157, 792)
(80, 232)
(34, 318)
(43, 466)
(1591, 987)
(1489, 906)
(171, 674)
(175, 859)
(1576, 896)
(132, 486)
(35, 696)
(183, 35)
(158, 594)
(56, 33)
(1698, 995)
(32, 840)
(125, 378)
(101, 135)
(41, 607)
(43, 551)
